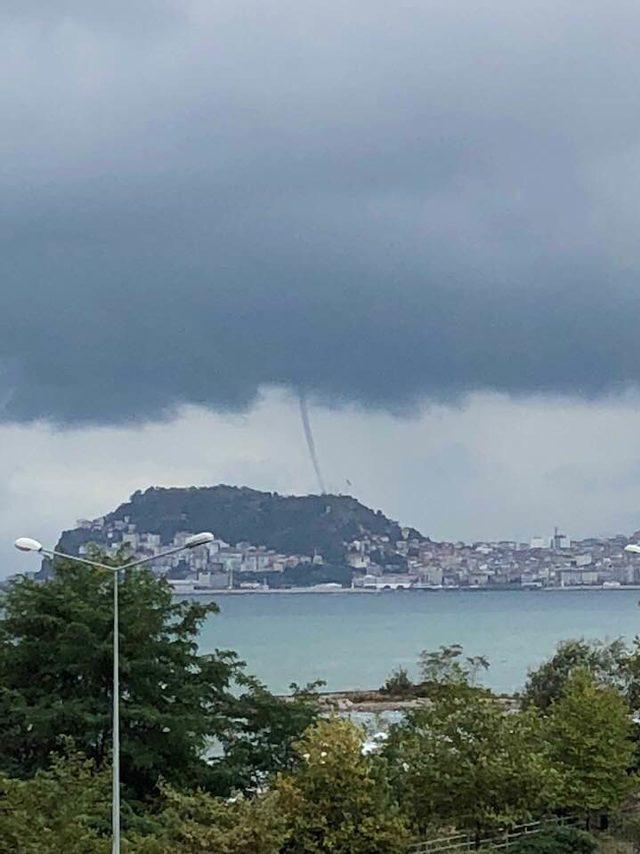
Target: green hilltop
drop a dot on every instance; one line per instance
(287, 523)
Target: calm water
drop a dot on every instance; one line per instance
(354, 641)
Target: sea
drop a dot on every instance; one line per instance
(353, 641)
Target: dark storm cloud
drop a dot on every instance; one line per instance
(367, 201)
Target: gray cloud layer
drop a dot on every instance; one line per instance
(369, 201)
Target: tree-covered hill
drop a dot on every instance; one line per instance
(290, 524)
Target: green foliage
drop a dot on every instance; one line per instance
(306, 574)
(623, 832)
(56, 678)
(308, 788)
(290, 524)
(65, 808)
(631, 675)
(198, 822)
(338, 800)
(392, 560)
(265, 729)
(590, 742)
(448, 666)
(463, 761)
(607, 662)
(560, 840)
(398, 683)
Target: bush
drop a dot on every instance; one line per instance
(398, 683)
(338, 800)
(559, 840)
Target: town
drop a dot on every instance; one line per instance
(373, 563)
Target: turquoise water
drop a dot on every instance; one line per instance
(354, 641)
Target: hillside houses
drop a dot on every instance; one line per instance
(376, 562)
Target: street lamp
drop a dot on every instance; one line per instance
(26, 544)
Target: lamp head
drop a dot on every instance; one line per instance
(633, 548)
(200, 539)
(26, 544)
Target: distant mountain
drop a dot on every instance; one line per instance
(289, 524)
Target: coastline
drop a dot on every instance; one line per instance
(368, 591)
(269, 591)
(375, 701)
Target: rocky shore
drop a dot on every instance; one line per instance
(374, 702)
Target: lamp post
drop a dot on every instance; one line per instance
(26, 544)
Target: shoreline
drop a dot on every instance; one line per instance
(375, 701)
(292, 591)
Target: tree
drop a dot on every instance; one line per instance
(338, 800)
(307, 574)
(463, 761)
(289, 524)
(447, 666)
(630, 672)
(266, 728)
(398, 683)
(608, 663)
(590, 739)
(56, 680)
(67, 808)
(56, 677)
(197, 822)
(64, 808)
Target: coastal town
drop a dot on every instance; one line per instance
(373, 563)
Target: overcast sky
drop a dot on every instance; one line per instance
(423, 215)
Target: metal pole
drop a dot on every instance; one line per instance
(32, 545)
(115, 800)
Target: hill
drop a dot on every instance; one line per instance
(287, 523)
